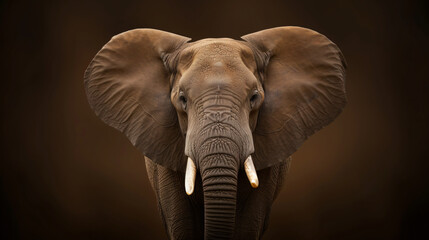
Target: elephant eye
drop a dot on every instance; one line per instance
(254, 98)
(183, 100)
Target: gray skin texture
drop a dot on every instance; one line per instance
(217, 101)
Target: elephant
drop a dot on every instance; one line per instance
(217, 119)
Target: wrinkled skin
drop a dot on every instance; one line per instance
(217, 101)
(183, 215)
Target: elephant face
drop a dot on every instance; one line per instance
(209, 105)
(217, 95)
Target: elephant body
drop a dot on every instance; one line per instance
(183, 215)
(210, 114)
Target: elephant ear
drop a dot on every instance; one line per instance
(128, 87)
(303, 75)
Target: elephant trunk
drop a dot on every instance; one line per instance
(218, 142)
(219, 177)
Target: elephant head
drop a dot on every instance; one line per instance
(217, 105)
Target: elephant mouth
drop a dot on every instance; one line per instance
(191, 172)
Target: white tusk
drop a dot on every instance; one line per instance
(251, 172)
(191, 172)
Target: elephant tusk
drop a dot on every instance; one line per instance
(191, 172)
(251, 172)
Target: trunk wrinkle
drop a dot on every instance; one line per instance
(220, 195)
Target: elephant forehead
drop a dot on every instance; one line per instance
(215, 50)
(217, 63)
(218, 73)
(217, 46)
(219, 56)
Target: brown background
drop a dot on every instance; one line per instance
(66, 175)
